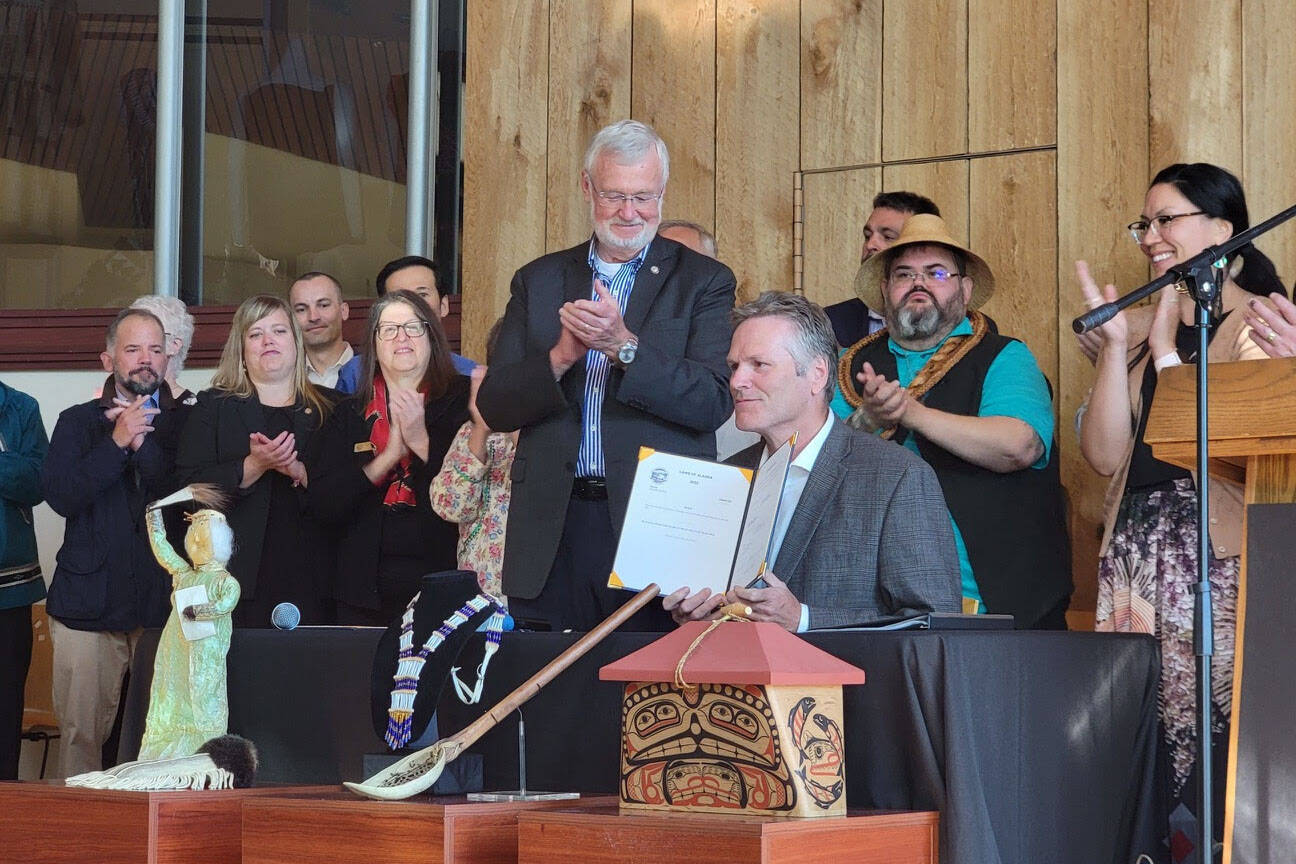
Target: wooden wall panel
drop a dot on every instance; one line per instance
(757, 139)
(841, 75)
(836, 206)
(589, 87)
(505, 127)
(1014, 227)
(1269, 128)
(944, 182)
(674, 91)
(1102, 173)
(1012, 85)
(924, 79)
(1194, 53)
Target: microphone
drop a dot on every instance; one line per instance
(285, 616)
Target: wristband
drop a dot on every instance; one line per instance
(1165, 361)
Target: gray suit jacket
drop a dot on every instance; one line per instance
(870, 537)
(671, 398)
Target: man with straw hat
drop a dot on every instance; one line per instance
(973, 404)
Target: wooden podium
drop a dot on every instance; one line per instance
(612, 836)
(1252, 429)
(50, 823)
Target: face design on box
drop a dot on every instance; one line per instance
(713, 746)
(818, 740)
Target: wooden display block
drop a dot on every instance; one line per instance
(340, 827)
(51, 823)
(639, 837)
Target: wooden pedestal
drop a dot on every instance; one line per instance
(687, 838)
(339, 827)
(51, 823)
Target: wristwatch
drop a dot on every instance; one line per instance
(626, 353)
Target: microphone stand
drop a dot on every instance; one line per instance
(1203, 276)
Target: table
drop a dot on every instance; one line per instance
(1032, 746)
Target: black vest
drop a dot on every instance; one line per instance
(1012, 524)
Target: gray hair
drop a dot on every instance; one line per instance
(813, 337)
(705, 237)
(176, 321)
(627, 140)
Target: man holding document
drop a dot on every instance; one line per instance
(861, 532)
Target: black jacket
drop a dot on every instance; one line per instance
(672, 398)
(341, 495)
(212, 449)
(105, 576)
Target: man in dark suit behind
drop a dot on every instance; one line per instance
(862, 531)
(614, 344)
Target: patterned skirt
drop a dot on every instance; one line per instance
(1145, 585)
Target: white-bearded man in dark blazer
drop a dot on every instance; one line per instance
(616, 343)
(862, 532)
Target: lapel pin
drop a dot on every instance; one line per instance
(654, 269)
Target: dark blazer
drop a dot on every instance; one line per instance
(105, 576)
(340, 494)
(870, 537)
(671, 398)
(212, 449)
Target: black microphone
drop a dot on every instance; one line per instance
(1095, 317)
(285, 616)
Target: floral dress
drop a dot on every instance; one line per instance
(476, 495)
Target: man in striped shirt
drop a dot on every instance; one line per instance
(616, 343)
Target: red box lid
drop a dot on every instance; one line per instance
(735, 652)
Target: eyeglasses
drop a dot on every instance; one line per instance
(1139, 228)
(413, 329)
(615, 200)
(938, 275)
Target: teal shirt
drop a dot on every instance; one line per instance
(1014, 386)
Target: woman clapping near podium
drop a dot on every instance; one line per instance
(1148, 557)
(377, 456)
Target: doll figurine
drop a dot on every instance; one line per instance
(188, 703)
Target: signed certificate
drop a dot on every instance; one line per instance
(695, 523)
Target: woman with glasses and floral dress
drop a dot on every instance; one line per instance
(1148, 557)
(377, 456)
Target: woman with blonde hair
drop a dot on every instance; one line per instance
(376, 458)
(250, 434)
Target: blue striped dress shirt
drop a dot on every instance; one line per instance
(589, 461)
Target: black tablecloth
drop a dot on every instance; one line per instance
(1033, 746)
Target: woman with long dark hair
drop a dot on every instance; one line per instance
(377, 457)
(1148, 563)
(251, 434)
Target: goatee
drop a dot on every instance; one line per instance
(144, 385)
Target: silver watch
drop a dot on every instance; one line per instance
(626, 353)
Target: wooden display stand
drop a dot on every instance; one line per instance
(1252, 428)
(639, 837)
(337, 826)
(52, 824)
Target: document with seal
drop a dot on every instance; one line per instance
(695, 523)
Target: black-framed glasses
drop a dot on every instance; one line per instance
(905, 276)
(1139, 228)
(615, 200)
(413, 329)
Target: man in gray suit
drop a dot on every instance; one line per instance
(615, 343)
(862, 532)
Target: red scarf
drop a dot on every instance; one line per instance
(399, 491)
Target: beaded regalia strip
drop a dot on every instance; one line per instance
(410, 665)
